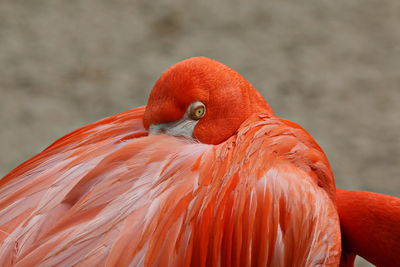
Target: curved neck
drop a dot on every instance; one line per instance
(370, 227)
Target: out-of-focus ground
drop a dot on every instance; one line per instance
(331, 66)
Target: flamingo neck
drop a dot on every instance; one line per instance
(370, 227)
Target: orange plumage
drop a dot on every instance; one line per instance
(244, 188)
(370, 227)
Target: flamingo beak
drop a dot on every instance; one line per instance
(183, 127)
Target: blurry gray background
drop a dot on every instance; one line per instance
(331, 66)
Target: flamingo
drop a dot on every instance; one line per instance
(204, 175)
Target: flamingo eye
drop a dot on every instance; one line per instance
(197, 111)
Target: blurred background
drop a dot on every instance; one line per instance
(331, 66)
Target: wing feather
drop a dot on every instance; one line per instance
(106, 194)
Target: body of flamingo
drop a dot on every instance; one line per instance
(227, 184)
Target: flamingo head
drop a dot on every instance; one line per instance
(202, 99)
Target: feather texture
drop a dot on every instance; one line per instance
(109, 195)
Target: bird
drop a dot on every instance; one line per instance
(204, 175)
